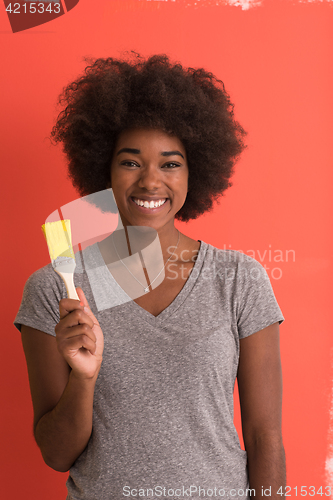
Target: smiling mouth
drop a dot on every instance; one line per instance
(149, 204)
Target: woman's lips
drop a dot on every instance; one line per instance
(149, 210)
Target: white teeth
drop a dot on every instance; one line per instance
(151, 204)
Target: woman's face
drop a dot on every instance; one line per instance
(149, 177)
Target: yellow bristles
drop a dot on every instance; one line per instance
(59, 239)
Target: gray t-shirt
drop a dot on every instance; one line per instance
(163, 404)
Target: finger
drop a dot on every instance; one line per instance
(84, 301)
(66, 333)
(74, 318)
(72, 345)
(68, 305)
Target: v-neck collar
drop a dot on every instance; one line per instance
(132, 307)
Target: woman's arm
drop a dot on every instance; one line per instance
(62, 376)
(260, 391)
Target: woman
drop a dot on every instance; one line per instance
(155, 417)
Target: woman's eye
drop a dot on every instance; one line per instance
(171, 165)
(130, 164)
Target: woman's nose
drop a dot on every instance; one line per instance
(150, 178)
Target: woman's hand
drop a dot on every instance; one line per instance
(79, 337)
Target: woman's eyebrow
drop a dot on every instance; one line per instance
(137, 152)
(172, 153)
(129, 150)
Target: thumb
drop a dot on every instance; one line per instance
(84, 301)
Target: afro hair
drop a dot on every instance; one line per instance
(117, 94)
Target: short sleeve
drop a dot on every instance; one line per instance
(40, 301)
(257, 305)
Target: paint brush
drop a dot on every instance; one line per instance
(59, 241)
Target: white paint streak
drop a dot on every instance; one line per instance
(244, 4)
(329, 458)
(329, 472)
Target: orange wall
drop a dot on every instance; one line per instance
(276, 62)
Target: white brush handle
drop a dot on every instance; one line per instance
(68, 279)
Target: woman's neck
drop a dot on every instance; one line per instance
(142, 236)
